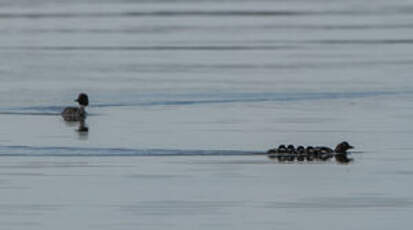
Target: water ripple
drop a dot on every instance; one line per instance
(151, 48)
(329, 203)
(210, 99)
(15, 150)
(155, 29)
(171, 13)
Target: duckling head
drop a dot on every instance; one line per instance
(300, 149)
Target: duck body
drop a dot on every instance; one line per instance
(76, 113)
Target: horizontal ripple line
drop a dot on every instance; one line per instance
(203, 13)
(77, 151)
(225, 99)
(173, 28)
(283, 45)
(363, 41)
(166, 13)
(28, 113)
(161, 48)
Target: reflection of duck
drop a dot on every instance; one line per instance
(341, 152)
(310, 153)
(77, 113)
(82, 126)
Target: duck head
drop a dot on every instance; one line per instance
(83, 99)
(343, 147)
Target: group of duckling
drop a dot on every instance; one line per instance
(290, 153)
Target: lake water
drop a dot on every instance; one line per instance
(185, 93)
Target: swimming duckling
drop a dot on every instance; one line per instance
(272, 153)
(300, 153)
(291, 153)
(281, 149)
(281, 152)
(310, 153)
(316, 153)
(77, 113)
(324, 153)
(341, 152)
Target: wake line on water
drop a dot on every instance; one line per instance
(151, 48)
(16, 150)
(28, 113)
(282, 45)
(264, 98)
(241, 98)
(205, 13)
(216, 28)
(179, 13)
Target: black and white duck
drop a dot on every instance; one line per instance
(77, 113)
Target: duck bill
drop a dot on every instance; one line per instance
(350, 147)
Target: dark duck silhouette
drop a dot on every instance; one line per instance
(300, 153)
(279, 153)
(323, 153)
(341, 152)
(291, 153)
(309, 153)
(77, 113)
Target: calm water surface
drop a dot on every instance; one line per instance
(185, 93)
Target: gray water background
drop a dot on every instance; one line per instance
(184, 93)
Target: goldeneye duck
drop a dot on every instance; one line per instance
(77, 113)
(341, 152)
